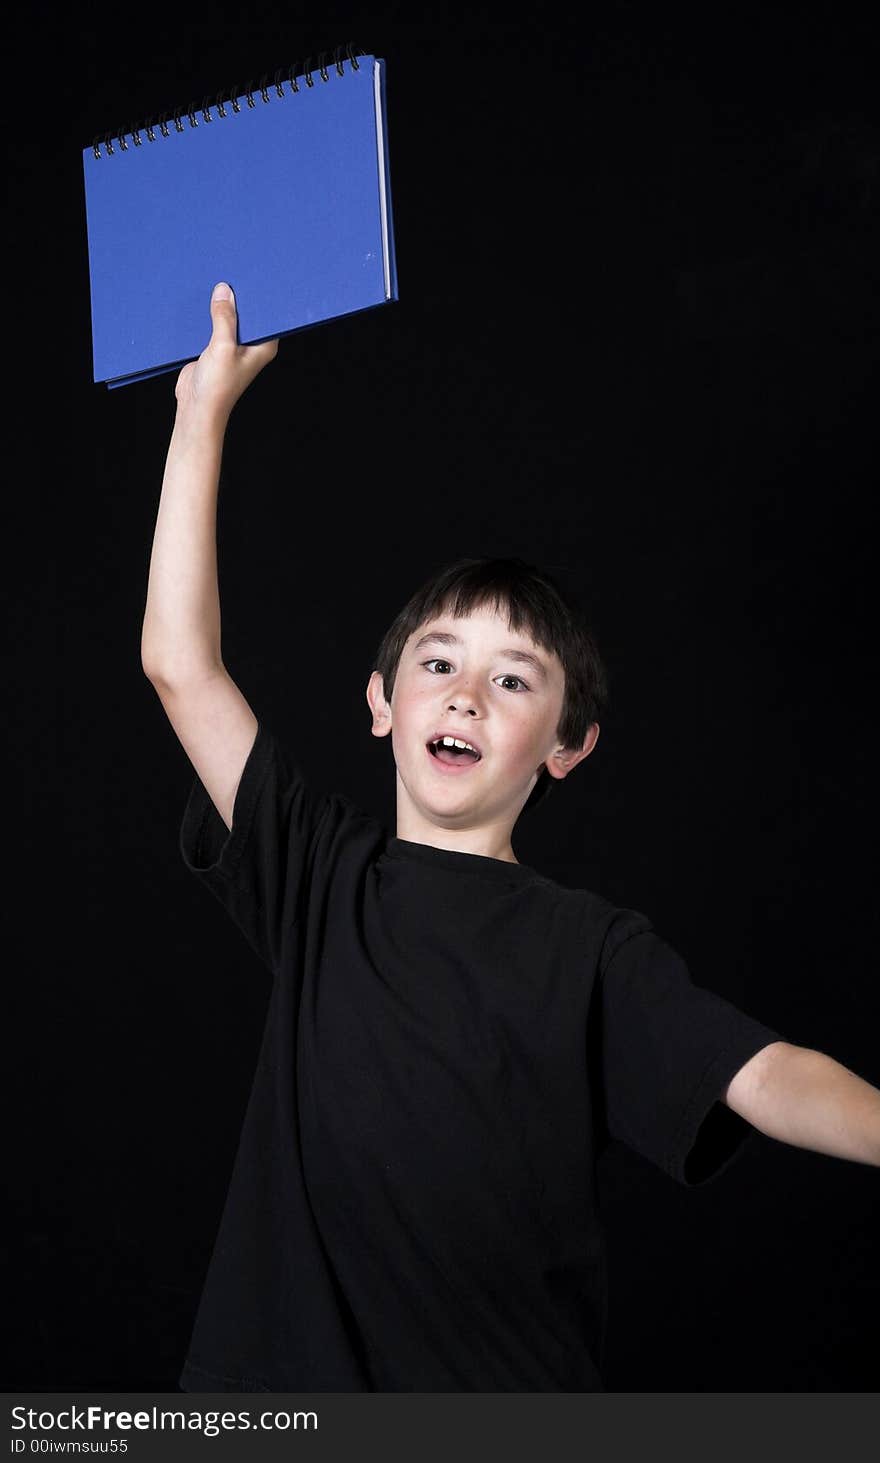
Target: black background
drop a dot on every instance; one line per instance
(636, 344)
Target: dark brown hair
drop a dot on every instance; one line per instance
(537, 606)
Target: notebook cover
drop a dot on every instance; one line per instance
(288, 201)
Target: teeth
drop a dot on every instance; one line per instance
(454, 742)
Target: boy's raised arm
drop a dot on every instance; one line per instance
(180, 640)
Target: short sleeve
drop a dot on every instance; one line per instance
(667, 1049)
(259, 869)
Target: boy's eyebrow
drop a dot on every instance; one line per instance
(444, 638)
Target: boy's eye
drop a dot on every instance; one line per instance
(435, 660)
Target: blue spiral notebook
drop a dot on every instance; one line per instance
(283, 191)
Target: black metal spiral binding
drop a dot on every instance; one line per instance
(298, 71)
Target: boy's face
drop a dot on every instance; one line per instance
(475, 685)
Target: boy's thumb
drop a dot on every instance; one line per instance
(222, 291)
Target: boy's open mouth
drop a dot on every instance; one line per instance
(451, 757)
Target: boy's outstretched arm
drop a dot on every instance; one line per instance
(805, 1098)
(180, 640)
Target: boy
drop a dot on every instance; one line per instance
(451, 1037)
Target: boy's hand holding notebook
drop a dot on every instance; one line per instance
(225, 369)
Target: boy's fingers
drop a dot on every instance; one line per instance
(223, 312)
(260, 355)
(225, 322)
(222, 291)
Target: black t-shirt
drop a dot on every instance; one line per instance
(450, 1042)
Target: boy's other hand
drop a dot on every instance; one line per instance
(224, 369)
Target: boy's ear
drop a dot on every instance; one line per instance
(564, 759)
(378, 705)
